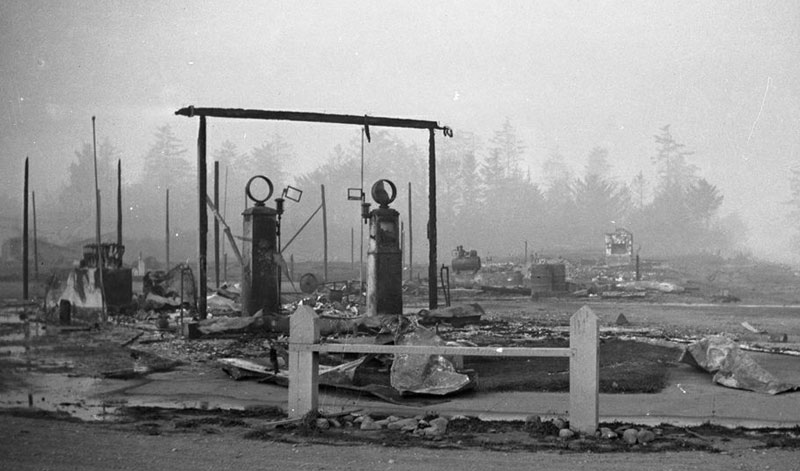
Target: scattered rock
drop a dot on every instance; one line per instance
(579, 444)
(565, 434)
(433, 432)
(533, 419)
(559, 423)
(608, 434)
(439, 422)
(369, 424)
(645, 436)
(403, 424)
(622, 320)
(630, 436)
(323, 424)
(782, 338)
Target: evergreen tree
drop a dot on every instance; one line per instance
(639, 190)
(166, 167)
(75, 210)
(468, 177)
(166, 164)
(555, 170)
(508, 149)
(270, 159)
(794, 205)
(599, 205)
(674, 172)
(703, 199)
(597, 163)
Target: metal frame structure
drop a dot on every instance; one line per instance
(365, 121)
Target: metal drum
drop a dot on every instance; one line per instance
(558, 272)
(541, 279)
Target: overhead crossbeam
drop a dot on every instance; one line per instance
(367, 120)
(309, 117)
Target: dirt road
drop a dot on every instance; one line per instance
(37, 444)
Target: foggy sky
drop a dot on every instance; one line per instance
(569, 75)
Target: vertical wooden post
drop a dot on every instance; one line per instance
(167, 234)
(216, 223)
(410, 237)
(303, 364)
(100, 258)
(324, 234)
(433, 294)
(402, 240)
(584, 371)
(25, 234)
(35, 239)
(202, 229)
(119, 203)
(224, 215)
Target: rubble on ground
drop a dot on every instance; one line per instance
(732, 367)
(457, 316)
(170, 289)
(425, 374)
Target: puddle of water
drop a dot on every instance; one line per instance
(78, 397)
(21, 331)
(14, 342)
(15, 314)
(59, 393)
(12, 350)
(15, 337)
(201, 405)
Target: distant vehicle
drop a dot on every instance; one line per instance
(465, 261)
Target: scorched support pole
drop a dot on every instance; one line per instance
(202, 220)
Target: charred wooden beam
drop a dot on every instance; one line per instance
(308, 117)
(202, 220)
(25, 234)
(119, 203)
(433, 293)
(216, 223)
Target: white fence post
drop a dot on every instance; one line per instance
(584, 371)
(303, 363)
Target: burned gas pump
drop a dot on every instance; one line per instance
(384, 258)
(261, 253)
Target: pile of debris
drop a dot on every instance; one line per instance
(730, 366)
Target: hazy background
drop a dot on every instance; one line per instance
(569, 77)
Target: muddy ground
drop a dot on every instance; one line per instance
(113, 356)
(633, 359)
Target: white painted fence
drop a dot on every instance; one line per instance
(304, 349)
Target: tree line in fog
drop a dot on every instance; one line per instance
(487, 197)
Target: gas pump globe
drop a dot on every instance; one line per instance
(384, 258)
(260, 270)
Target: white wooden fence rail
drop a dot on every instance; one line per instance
(304, 350)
